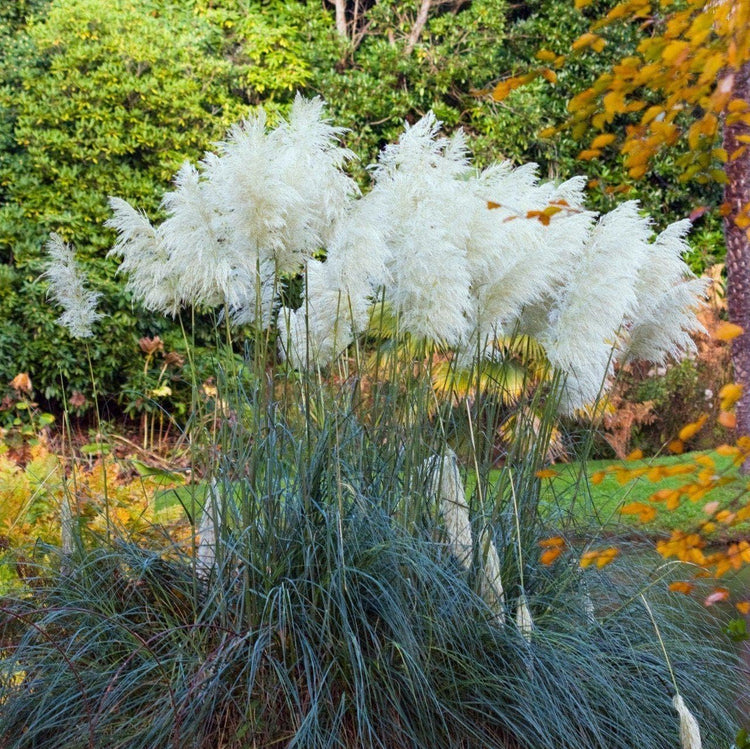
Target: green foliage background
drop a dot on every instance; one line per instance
(108, 98)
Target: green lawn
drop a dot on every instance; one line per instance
(571, 498)
(572, 501)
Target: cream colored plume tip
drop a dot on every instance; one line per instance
(690, 732)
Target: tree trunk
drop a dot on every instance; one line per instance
(737, 198)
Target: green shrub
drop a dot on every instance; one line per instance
(101, 98)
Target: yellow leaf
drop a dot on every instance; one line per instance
(743, 607)
(729, 395)
(549, 75)
(546, 473)
(690, 430)
(549, 543)
(588, 40)
(727, 450)
(546, 55)
(589, 154)
(635, 455)
(597, 477)
(603, 140)
(727, 331)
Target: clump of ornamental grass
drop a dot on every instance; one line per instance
(335, 608)
(344, 587)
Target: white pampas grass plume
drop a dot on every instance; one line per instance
(205, 554)
(668, 295)
(422, 199)
(446, 485)
(524, 622)
(587, 319)
(492, 582)
(68, 289)
(690, 732)
(145, 260)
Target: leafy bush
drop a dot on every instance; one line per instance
(101, 98)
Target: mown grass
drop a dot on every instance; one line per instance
(572, 499)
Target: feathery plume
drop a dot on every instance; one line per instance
(586, 320)
(145, 260)
(68, 289)
(668, 295)
(205, 554)
(690, 732)
(446, 485)
(492, 583)
(524, 622)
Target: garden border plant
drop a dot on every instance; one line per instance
(341, 589)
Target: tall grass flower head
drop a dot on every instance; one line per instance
(254, 210)
(68, 289)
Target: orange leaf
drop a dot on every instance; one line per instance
(549, 543)
(597, 477)
(635, 455)
(743, 607)
(492, 205)
(549, 556)
(727, 331)
(676, 447)
(681, 587)
(546, 473)
(720, 594)
(727, 420)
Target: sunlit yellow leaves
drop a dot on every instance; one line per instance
(646, 513)
(671, 498)
(589, 153)
(677, 447)
(597, 477)
(687, 547)
(727, 331)
(729, 395)
(505, 87)
(743, 607)
(599, 557)
(546, 473)
(594, 41)
(728, 450)
(603, 140)
(690, 430)
(635, 455)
